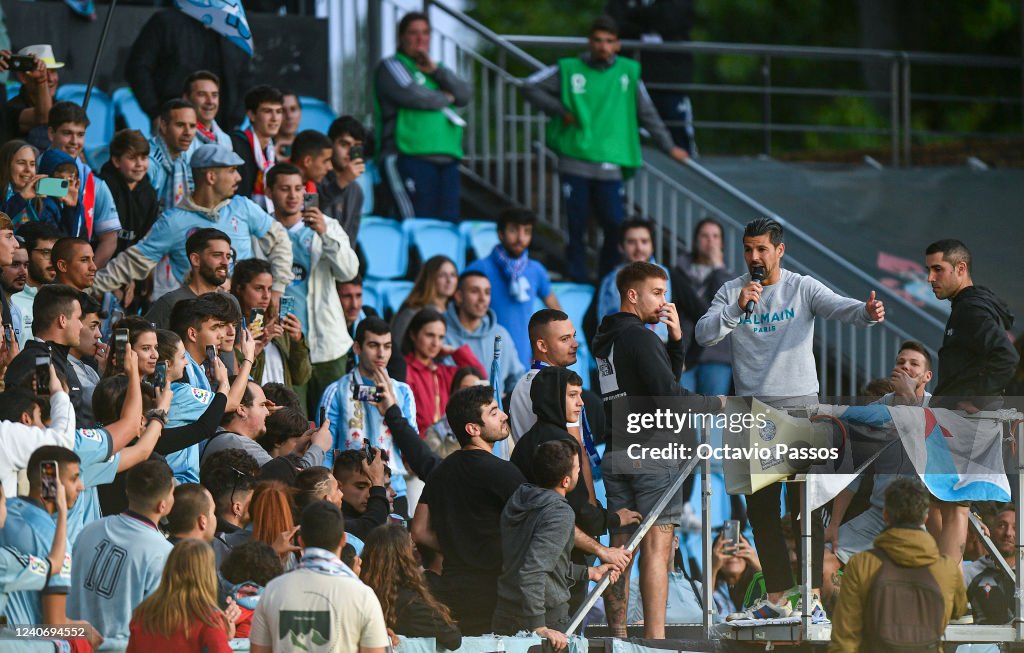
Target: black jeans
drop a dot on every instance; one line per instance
(763, 513)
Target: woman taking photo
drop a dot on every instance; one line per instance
(430, 380)
(18, 179)
(282, 355)
(182, 614)
(390, 569)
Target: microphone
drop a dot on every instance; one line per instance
(757, 274)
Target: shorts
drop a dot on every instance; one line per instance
(641, 492)
(859, 533)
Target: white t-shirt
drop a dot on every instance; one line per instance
(319, 612)
(273, 365)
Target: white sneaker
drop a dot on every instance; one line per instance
(818, 615)
(690, 522)
(764, 609)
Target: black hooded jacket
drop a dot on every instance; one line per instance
(633, 362)
(548, 396)
(24, 366)
(976, 358)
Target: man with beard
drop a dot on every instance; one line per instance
(209, 255)
(13, 280)
(38, 239)
(459, 512)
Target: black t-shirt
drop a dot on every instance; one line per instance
(466, 494)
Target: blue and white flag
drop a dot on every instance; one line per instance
(958, 457)
(226, 17)
(501, 449)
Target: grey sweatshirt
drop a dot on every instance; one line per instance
(396, 88)
(772, 350)
(543, 90)
(537, 528)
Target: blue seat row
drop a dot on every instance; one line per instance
(386, 242)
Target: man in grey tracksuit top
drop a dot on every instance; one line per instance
(773, 359)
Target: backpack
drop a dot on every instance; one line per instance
(905, 611)
(991, 596)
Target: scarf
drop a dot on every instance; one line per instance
(178, 174)
(324, 562)
(365, 422)
(518, 285)
(265, 159)
(588, 436)
(206, 134)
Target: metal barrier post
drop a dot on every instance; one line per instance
(707, 545)
(805, 554)
(1018, 594)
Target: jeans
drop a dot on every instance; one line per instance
(603, 199)
(425, 189)
(708, 379)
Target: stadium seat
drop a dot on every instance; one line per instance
(126, 106)
(385, 247)
(316, 114)
(393, 293)
(371, 295)
(97, 156)
(100, 112)
(13, 88)
(432, 237)
(479, 236)
(575, 298)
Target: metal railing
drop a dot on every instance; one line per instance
(888, 77)
(505, 150)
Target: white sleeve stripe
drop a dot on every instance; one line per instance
(398, 71)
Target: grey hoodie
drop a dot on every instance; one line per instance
(481, 343)
(537, 538)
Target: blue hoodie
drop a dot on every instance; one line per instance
(481, 343)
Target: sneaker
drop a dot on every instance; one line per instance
(818, 615)
(763, 609)
(690, 522)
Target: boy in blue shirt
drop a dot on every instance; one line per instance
(212, 204)
(516, 280)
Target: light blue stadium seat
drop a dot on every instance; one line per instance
(385, 246)
(479, 236)
(393, 293)
(100, 112)
(97, 156)
(126, 106)
(13, 88)
(371, 295)
(316, 114)
(431, 237)
(575, 298)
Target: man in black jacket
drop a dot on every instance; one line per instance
(170, 47)
(57, 326)
(633, 363)
(976, 359)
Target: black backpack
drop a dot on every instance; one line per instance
(991, 596)
(905, 612)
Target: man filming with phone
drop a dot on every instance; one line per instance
(322, 255)
(341, 195)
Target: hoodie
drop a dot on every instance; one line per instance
(137, 207)
(481, 343)
(633, 362)
(977, 359)
(548, 396)
(907, 547)
(537, 538)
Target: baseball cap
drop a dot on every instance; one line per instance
(212, 155)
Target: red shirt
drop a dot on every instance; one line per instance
(202, 639)
(430, 387)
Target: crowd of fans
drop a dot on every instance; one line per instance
(206, 434)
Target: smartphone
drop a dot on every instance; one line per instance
(8, 335)
(370, 452)
(211, 356)
(21, 63)
(323, 415)
(310, 201)
(120, 348)
(53, 187)
(256, 323)
(355, 152)
(159, 376)
(287, 304)
(363, 392)
(731, 532)
(43, 375)
(48, 479)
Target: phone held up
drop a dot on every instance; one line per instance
(43, 374)
(48, 479)
(120, 348)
